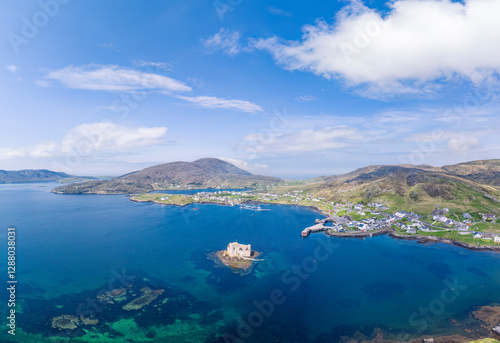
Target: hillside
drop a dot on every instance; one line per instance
(486, 171)
(202, 173)
(30, 175)
(418, 188)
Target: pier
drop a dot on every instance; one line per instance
(315, 228)
(320, 225)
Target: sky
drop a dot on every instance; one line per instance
(288, 88)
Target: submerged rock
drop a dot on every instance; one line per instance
(65, 322)
(490, 315)
(114, 295)
(70, 322)
(88, 321)
(148, 295)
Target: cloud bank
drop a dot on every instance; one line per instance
(418, 43)
(114, 78)
(90, 139)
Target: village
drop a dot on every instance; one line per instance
(377, 216)
(348, 218)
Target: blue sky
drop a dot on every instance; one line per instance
(284, 88)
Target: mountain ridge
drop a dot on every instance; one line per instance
(31, 175)
(470, 184)
(202, 173)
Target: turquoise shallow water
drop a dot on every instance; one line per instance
(69, 246)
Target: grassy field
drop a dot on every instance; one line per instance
(468, 239)
(487, 227)
(457, 196)
(169, 199)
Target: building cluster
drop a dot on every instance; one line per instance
(380, 219)
(406, 221)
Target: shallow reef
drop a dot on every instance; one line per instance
(145, 309)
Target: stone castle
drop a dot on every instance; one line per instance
(239, 250)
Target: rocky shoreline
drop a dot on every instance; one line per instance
(248, 202)
(477, 326)
(178, 205)
(237, 265)
(420, 238)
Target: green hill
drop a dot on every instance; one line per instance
(202, 173)
(464, 186)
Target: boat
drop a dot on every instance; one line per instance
(254, 208)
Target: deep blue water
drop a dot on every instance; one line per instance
(69, 246)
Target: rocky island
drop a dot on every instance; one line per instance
(238, 257)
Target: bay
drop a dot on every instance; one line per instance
(70, 246)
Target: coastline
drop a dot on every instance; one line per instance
(420, 238)
(178, 205)
(387, 231)
(247, 202)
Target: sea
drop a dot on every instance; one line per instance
(70, 249)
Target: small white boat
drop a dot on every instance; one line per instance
(254, 208)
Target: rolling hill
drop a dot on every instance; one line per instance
(202, 173)
(486, 171)
(418, 187)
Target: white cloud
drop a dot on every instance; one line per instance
(228, 42)
(12, 68)
(418, 43)
(155, 64)
(114, 78)
(105, 136)
(307, 98)
(439, 134)
(228, 104)
(462, 145)
(303, 141)
(106, 45)
(244, 165)
(91, 138)
(278, 12)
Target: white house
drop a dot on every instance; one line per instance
(400, 214)
(358, 207)
(497, 239)
(487, 236)
(363, 227)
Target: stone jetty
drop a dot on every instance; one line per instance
(315, 228)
